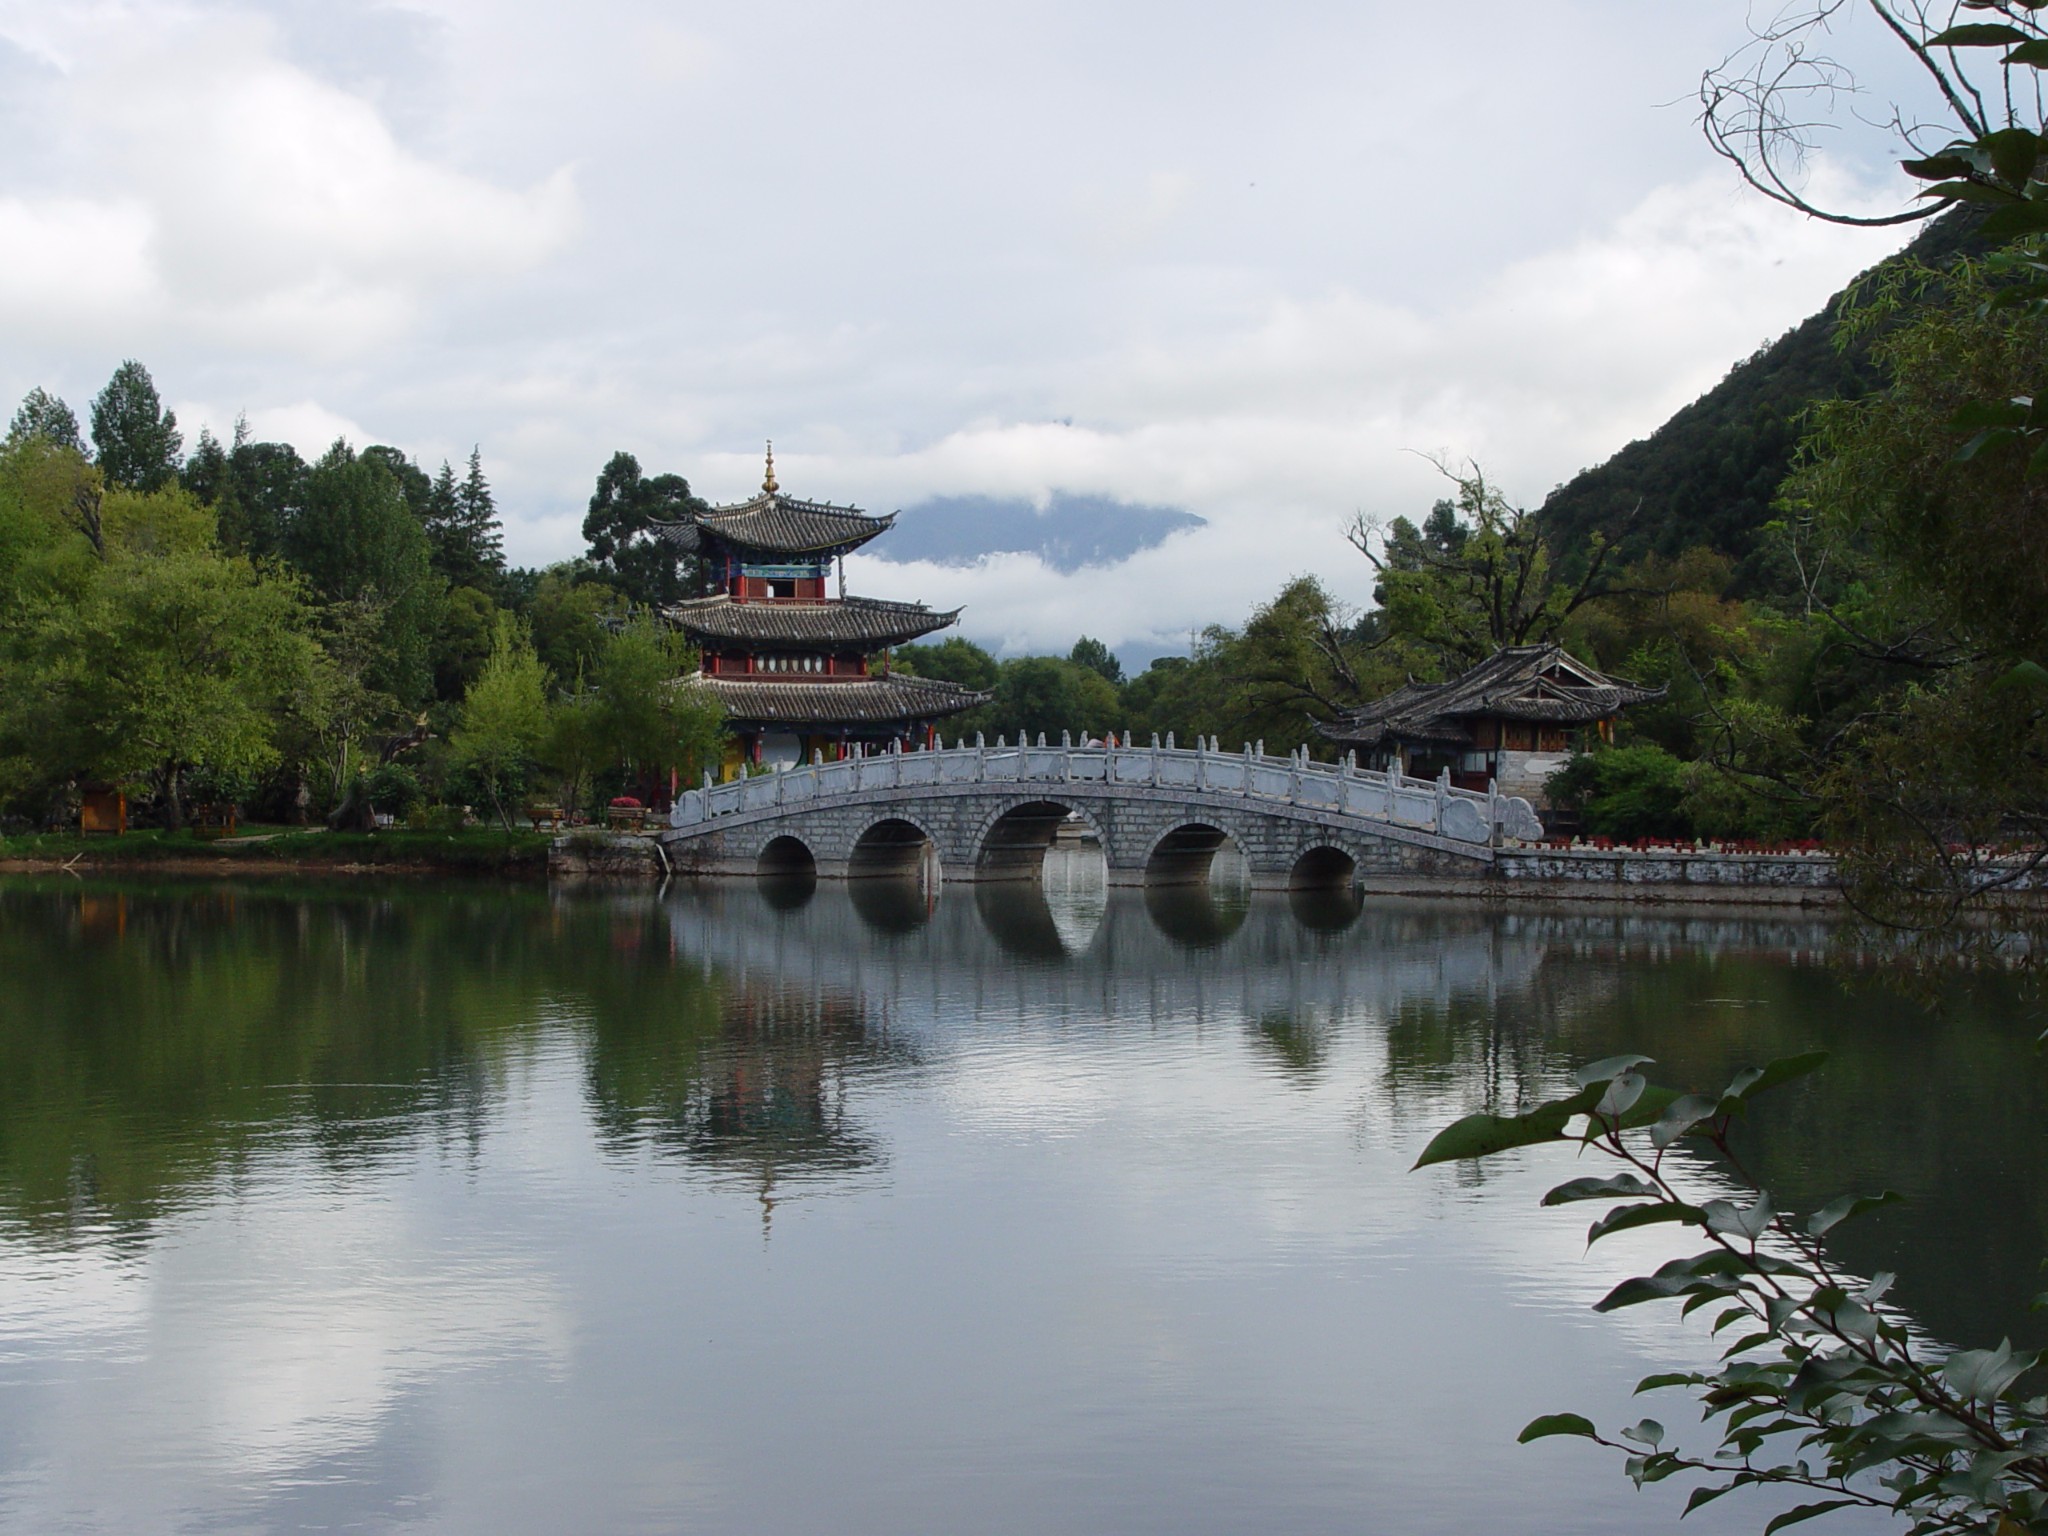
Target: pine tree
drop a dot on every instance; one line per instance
(45, 416)
(138, 440)
(461, 519)
(207, 473)
(477, 517)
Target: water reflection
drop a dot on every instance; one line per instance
(787, 891)
(474, 1126)
(892, 904)
(1196, 916)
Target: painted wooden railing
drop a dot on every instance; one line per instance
(1278, 783)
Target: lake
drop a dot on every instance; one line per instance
(765, 1208)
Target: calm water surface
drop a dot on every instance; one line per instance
(770, 1210)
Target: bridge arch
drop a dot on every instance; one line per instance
(1323, 866)
(786, 856)
(1184, 853)
(1012, 841)
(894, 845)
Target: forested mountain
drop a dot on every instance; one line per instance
(1709, 474)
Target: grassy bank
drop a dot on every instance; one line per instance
(473, 851)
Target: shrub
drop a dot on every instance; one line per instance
(1626, 793)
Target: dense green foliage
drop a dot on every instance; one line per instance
(329, 640)
(1708, 478)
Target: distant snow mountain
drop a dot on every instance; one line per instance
(1068, 533)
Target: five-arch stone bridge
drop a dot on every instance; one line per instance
(1160, 813)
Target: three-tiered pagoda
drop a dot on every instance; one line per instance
(798, 671)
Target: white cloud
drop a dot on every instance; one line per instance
(231, 196)
(1244, 272)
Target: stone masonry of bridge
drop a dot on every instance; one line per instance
(1159, 816)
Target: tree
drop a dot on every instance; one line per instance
(1478, 575)
(1099, 659)
(569, 619)
(952, 660)
(268, 491)
(1047, 695)
(624, 549)
(461, 519)
(45, 416)
(166, 659)
(476, 543)
(647, 721)
(358, 543)
(504, 717)
(1947, 763)
(137, 440)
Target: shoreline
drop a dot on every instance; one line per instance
(519, 855)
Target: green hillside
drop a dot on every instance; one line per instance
(1708, 475)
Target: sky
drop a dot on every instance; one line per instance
(1255, 262)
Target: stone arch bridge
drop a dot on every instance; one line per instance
(1160, 814)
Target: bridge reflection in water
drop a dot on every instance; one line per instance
(1072, 948)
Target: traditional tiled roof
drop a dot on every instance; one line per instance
(775, 524)
(862, 622)
(1539, 683)
(869, 701)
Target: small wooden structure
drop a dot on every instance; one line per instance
(1513, 720)
(215, 819)
(102, 808)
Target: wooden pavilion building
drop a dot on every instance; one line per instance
(1514, 719)
(800, 671)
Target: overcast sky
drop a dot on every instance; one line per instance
(1247, 260)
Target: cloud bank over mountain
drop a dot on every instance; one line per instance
(1244, 267)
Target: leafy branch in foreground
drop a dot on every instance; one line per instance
(1824, 1390)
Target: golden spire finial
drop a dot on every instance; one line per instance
(768, 482)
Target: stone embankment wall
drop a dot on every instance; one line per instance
(1656, 874)
(604, 856)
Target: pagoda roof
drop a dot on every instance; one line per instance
(865, 701)
(1540, 683)
(853, 621)
(775, 524)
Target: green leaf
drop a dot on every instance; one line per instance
(2014, 220)
(1723, 1216)
(2037, 461)
(1936, 167)
(1621, 1096)
(1621, 1218)
(1755, 1080)
(1622, 1185)
(1808, 1512)
(1972, 414)
(1978, 34)
(1835, 1212)
(2034, 54)
(1965, 191)
(1667, 1379)
(1482, 1135)
(1749, 1342)
(1608, 1068)
(1649, 1432)
(2027, 674)
(2014, 153)
(1986, 1373)
(1679, 1117)
(1990, 437)
(1556, 1424)
(1705, 1496)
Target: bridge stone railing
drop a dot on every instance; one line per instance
(1271, 783)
